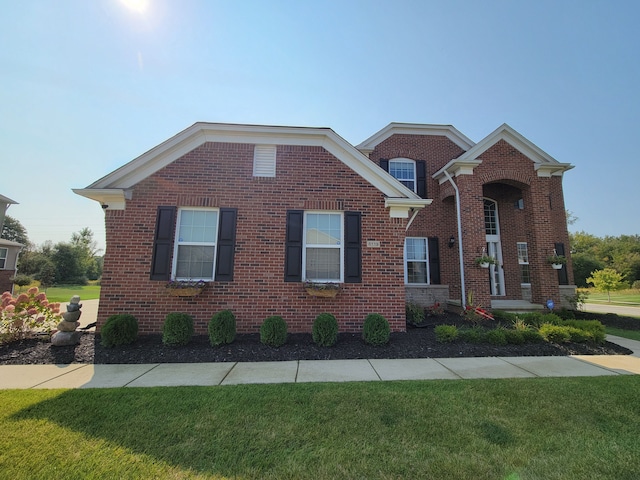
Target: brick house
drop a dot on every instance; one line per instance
(9, 251)
(258, 210)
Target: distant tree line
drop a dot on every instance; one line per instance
(74, 262)
(590, 253)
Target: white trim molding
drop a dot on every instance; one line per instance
(394, 128)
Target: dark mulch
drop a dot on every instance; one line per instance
(415, 343)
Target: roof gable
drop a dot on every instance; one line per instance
(545, 164)
(114, 189)
(395, 128)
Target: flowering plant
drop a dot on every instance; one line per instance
(179, 284)
(435, 310)
(20, 316)
(556, 259)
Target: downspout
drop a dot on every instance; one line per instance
(462, 289)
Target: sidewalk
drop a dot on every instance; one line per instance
(211, 374)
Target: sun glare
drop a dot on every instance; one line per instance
(136, 5)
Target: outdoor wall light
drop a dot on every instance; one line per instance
(452, 241)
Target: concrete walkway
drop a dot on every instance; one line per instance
(209, 374)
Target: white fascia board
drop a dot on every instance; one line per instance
(150, 162)
(395, 128)
(455, 168)
(552, 169)
(7, 200)
(108, 198)
(400, 207)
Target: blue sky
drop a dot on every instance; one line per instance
(87, 86)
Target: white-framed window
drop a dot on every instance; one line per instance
(416, 264)
(195, 246)
(404, 170)
(3, 257)
(322, 241)
(523, 261)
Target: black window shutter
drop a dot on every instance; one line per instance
(352, 247)
(384, 164)
(162, 243)
(563, 277)
(421, 178)
(226, 245)
(434, 261)
(293, 246)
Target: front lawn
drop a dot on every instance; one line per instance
(630, 334)
(63, 293)
(547, 428)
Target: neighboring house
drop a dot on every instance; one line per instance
(9, 251)
(258, 210)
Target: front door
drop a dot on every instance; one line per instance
(494, 248)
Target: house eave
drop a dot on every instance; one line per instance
(108, 198)
(456, 168)
(402, 207)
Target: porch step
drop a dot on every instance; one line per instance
(516, 305)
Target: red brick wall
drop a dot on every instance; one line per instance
(220, 175)
(505, 175)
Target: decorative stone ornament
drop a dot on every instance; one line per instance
(67, 334)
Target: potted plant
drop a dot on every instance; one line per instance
(185, 288)
(322, 289)
(485, 260)
(556, 261)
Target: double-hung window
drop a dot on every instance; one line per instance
(523, 261)
(404, 170)
(195, 245)
(323, 247)
(3, 257)
(416, 265)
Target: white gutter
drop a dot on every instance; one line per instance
(455, 187)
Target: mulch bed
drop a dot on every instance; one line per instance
(415, 343)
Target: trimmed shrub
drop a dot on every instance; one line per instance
(555, 333)
(222, 328)
(119, 329)
(533, 319)
(414, 313)
(496, 336)
(566, 314)
(502, 316)
(470, 335)
(531, 336)
(551, 318)
(446, 333)
(514, 337)
(325, 330)
(273, 331)
(177, 329)
(595, 330)
(376, 330)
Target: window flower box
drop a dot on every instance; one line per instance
(185, 288)
(325, 290)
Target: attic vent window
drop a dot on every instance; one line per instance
(264, 161)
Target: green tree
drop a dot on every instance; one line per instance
(13, 231)
(68, 262)
(606, 280)
(583, 265)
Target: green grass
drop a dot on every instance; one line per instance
(551, 428)
(63, 293)
(631, 334)
(628, 298)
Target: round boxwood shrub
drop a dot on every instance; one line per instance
(376, 330)
(222, 328)
(177, 329)
(119, 329)
(325, 330)
(496, 336)
(273, 331)
(555, 333)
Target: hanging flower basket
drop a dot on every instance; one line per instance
(556, 266)
(484, 261)
(185, 288)
(325, 290)
(556, 261)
